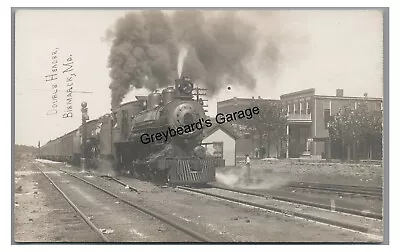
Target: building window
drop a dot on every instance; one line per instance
(115, 120)
(303, 108)
(327, 115)
(308, 108)
(378, 106)
(294, 108)
(218, 149)
(124, 114)
(288, 109)
(215, 149)
(124, 126)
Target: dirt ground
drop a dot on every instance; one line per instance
(42, 215)
(229, 222)
(40, 212)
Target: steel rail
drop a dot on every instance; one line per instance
(365, 188)
(190, 232)
(339, 190)
(83, 216)
(304, 202)
(340, 224)
(120, 182)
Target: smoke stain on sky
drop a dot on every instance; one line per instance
(152, 48)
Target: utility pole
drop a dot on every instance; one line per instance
(198, 95)
(85, 117)
(39, 148)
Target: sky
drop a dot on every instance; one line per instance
(324, 50)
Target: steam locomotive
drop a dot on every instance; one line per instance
(156, 138)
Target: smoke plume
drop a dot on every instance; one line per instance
(152, 48)
(181, 58)
(259, 178)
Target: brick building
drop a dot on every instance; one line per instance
(308, 115)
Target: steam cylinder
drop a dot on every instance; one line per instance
(168, 95)
(153, 100)
(136, 108)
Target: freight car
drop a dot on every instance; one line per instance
(68, 148)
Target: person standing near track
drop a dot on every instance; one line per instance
(247, 162)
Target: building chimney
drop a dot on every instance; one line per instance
(339, 92)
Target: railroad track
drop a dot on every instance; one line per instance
(330, 206)
(84, 217)
(333, 216)
(193, 234)
(120, 182)
(345, 189)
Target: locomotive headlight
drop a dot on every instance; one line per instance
(186, 87)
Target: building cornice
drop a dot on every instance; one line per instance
(361, 98)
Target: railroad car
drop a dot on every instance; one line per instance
(68, 148)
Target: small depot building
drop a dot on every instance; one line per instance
(220, 141)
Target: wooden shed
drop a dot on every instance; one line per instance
(220, 141)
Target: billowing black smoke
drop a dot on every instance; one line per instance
(150, 49)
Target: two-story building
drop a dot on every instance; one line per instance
(308, 116)
(307, 124)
